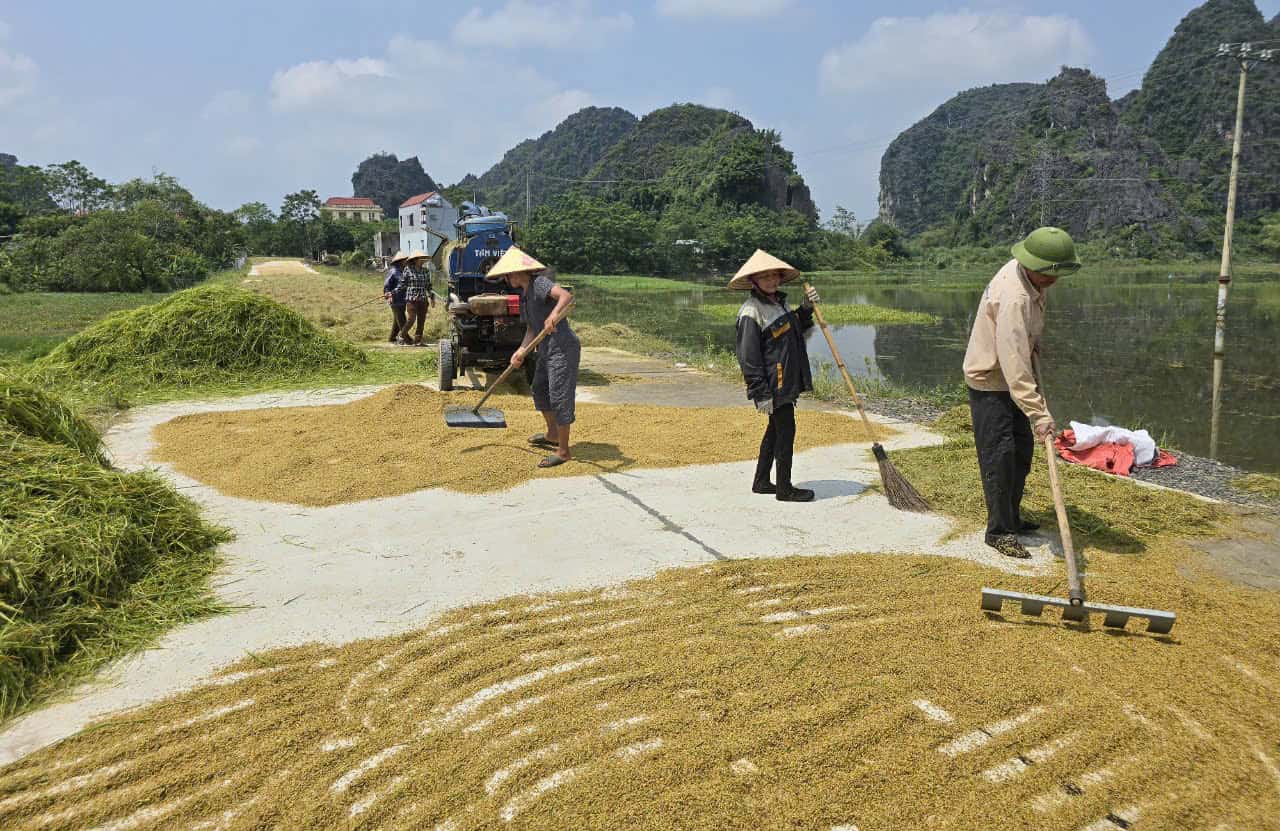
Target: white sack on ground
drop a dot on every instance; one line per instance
(1089, 435)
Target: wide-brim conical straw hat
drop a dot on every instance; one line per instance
(418, 255)
(514, 261)
(761, 262)
(399, 257)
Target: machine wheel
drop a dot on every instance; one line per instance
(530, 366)
(448, 367)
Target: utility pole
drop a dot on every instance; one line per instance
(528, 205)
(1246, 56)
(1044, 167)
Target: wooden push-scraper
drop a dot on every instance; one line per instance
(1074, 607)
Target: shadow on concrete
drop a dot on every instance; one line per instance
(833, 488)
(667, 524)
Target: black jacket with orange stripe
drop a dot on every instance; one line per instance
(771, 349)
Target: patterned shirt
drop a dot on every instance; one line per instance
(416, 286)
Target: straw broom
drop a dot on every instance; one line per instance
(901, 494)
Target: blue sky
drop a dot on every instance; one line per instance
(247, 101)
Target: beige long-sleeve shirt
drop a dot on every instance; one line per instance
(1005, 337)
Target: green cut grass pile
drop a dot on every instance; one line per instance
(94, 562)
(204, 335)
(28, 410)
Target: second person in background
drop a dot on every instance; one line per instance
(775, 365)
(417, 296)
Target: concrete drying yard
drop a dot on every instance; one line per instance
(535, 662)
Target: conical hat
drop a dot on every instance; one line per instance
(760, 262)
(399, 257)
(514, 261)
(418, 255)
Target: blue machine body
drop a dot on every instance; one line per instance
(469, 262)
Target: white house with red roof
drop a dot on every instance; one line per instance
(423, 214)
(352, 208)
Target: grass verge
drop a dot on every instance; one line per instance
(839, 315)
(1105, 512)
(1258, 484)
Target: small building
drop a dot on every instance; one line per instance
(426, 220)
(352, 209)
(386, 244)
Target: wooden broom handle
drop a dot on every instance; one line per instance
(835, 353)
(533, 344)
(1075, 586)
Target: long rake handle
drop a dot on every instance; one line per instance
(533, 344)
(835, 353)
(1075, 585)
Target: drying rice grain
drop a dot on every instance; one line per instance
(396, 441)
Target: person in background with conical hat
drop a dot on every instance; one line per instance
(393, 293)
(1002, 371)
(775, 365)
(555, 378)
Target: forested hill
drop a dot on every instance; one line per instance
(705, 154)
(685, 150)
(1145, 171)
(568, 152)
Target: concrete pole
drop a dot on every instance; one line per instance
(1224, 273)
(528, 204)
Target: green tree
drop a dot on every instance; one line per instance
(299, 231)
(75, 189)
(843, 222)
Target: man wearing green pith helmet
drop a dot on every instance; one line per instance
(1002, 371)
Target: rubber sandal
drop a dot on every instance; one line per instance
(552, 461)
(541, 440)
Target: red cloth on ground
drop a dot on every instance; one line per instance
(1107, 457)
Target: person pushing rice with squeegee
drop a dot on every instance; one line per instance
(555, 378)
(775, 365)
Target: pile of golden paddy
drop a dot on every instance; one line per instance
(861, 691)
(396, 441)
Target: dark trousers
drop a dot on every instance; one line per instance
(776, 447)
(398, 327)
(415, 313)
(1005, 447)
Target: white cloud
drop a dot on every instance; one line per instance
(325, 117)
(227, 104)
(17, 71)
(740, 9)
(319, 84)
(954, 51)
(566, 24)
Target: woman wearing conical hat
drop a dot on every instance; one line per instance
(393, 293)
(555, 378)
(775, 365)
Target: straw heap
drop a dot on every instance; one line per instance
(93, 562)
(199, 335)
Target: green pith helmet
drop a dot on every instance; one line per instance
(1049, 251)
